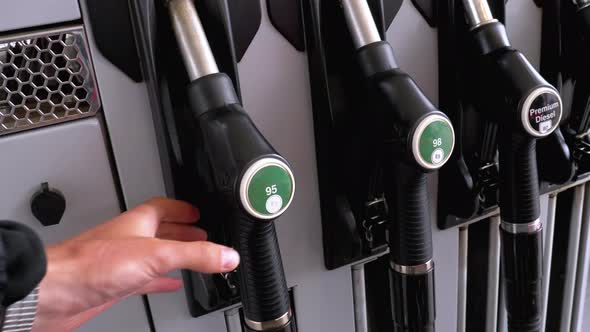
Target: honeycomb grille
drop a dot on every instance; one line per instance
(45, 78)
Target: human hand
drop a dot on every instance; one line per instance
(126, 256)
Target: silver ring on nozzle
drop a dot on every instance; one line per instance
(413, 269)
(528, 228)
(271, 325)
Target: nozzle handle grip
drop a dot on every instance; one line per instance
(264, 292)
(519, 181)
(410, 228)
(522, 276)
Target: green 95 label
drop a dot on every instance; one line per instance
(269, 190)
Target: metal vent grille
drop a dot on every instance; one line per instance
(45, 78)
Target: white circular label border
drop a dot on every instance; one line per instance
(427, 121)
(527, 105)
(247, 178)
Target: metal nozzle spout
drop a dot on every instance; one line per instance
(478, 12)
(582, 3)
(192, 41)
(360, 22)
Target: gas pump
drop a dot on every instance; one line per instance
(417, 139)
(526, 108)
(374, 118)
(249, 183)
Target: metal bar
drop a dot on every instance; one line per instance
(583, 265)
(478, 12)
(549, 228)
(192, 40)
(502, 318)
(232, 320)
(360, 298)
(40, 33)
(493, 275)
(462, 286)
(583, 180)
(572, 259)
(360, 22)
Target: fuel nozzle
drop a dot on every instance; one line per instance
(582, 3)
(416, 138)
(526, 108)
(256, 185)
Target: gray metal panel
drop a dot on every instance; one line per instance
(493, 275)
(586, 322)
(462, 280)
(72, 158)
(19, 14)
(523, 24)
(572, 258)
(131, 129)
(583, 265)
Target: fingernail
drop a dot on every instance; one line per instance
(229, 259)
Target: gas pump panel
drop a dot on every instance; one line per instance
(56, 153)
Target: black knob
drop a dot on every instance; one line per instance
(48, 205)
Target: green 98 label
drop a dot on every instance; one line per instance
(270, 190)
(436, 143)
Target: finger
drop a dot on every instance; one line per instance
(160, 285)
(166, 209)
(206, 257)
(181, 232)
(144, 220)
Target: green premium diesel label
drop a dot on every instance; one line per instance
(270, 189)
(436, 142)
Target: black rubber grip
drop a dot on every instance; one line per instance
(264, 292)
(519, 181)
(584, 15)
(413, 302)
(410, 229)
(522, 277)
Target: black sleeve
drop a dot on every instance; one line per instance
(23, 263)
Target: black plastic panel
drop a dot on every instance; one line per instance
(565, 49)
(427, 9)
(246, 16)
(354, 210)
(285, 16)
(468, 183)
(113, 33)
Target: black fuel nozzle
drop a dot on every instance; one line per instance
(254, 182)
(416, 139)
(583, 7)
(526, 108)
